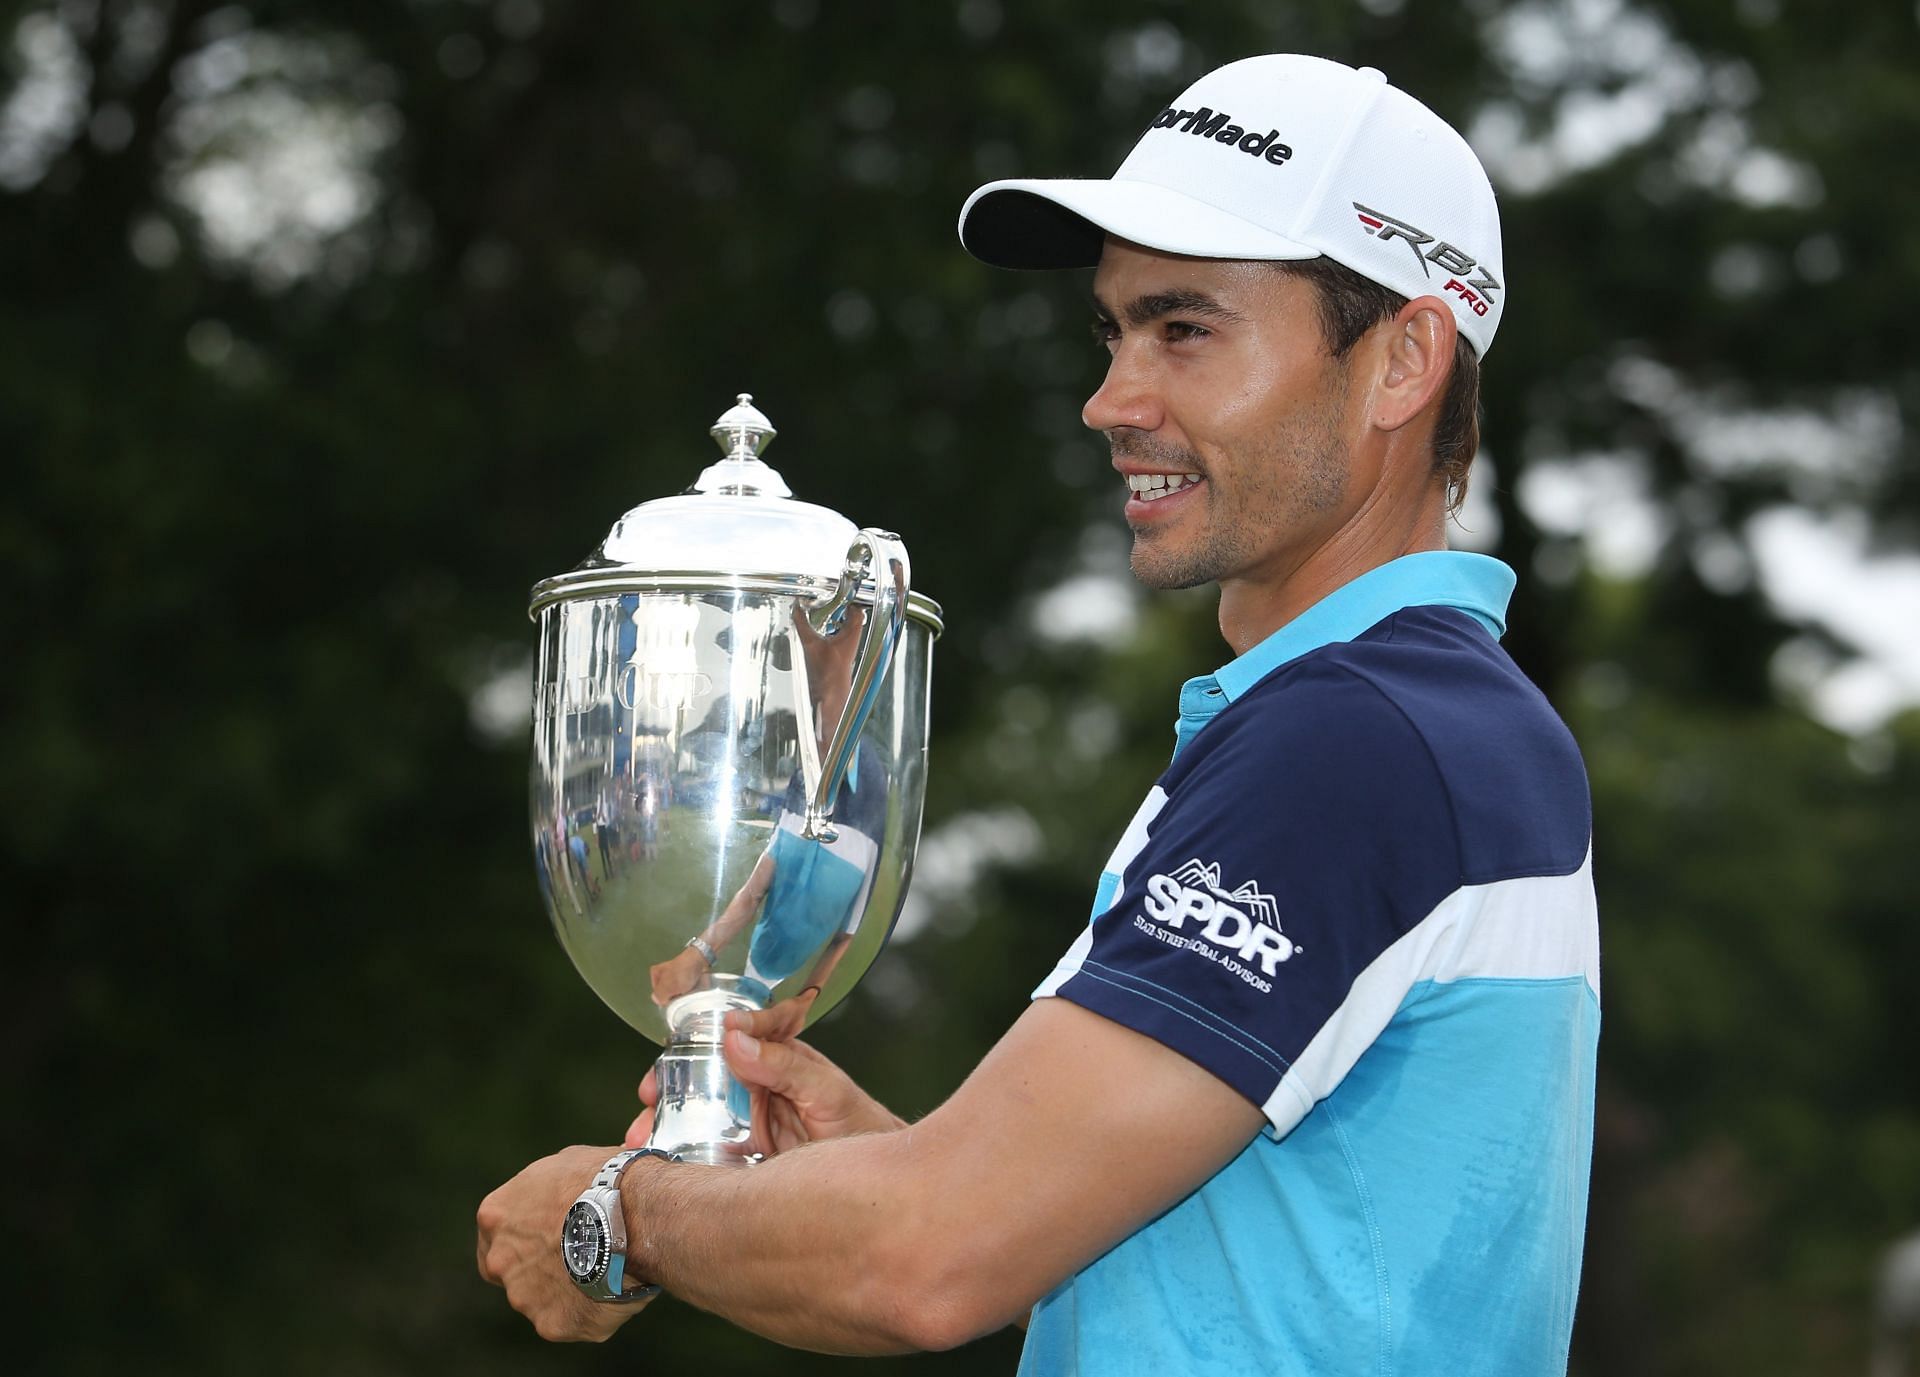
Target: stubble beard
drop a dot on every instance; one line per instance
(1301, 472)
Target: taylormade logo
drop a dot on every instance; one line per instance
(1205, 123)
(1231, 927)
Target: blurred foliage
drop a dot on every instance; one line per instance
(278, 1003)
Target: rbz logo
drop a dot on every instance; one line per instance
(1244, 921)
(1477, 292)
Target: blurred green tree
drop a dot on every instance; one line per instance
(329, 328)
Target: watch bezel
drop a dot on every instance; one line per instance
(603, 1231)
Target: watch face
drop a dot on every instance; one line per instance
(583, 1242)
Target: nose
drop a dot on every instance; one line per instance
(1128, 397)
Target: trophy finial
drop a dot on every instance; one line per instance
(743, 430)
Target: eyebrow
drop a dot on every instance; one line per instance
(1179, 301)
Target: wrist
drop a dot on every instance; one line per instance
(594, 1245)
(640, 1205)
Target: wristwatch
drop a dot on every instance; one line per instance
(593, 1240)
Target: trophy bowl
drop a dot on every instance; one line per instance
(729, 764)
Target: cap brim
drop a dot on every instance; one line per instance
(1063, 223)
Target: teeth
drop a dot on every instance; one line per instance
(1149, 487)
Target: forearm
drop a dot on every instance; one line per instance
(837, 1247)
(823, 968)
(719, 934)
(742, 908)
(919, 1237)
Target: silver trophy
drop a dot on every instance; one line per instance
(729, 763)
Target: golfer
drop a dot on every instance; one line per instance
(1312, 1091)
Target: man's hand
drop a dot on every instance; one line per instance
(519, 1248)
(782, 1022)
(798, 1095)
(673, 978)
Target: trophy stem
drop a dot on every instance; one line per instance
(704, 1113)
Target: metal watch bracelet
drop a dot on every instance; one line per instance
(604, 1195)
(621, 1160)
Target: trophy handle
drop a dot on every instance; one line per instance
(880, 555)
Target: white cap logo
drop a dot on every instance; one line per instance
(1452, 261)
(1206, 124)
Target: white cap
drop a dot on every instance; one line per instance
(1277, 157)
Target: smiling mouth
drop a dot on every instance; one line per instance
(1151, 487)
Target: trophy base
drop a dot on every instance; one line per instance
(704, 1114)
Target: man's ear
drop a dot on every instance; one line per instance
(1418, 362)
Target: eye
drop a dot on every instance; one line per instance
(1180, 330)
(1105, 332)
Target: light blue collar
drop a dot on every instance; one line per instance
(1474, 584)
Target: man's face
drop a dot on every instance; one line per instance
(1226, 417)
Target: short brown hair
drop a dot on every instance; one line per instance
(1351, 305)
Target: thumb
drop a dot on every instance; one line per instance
(776, 1023)
(642, 1126)
(761, 1064)
(639, 1130)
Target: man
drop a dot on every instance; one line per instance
(1312, 1093)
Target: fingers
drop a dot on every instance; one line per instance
(748, 1056)
(760, 1116)
(487, 1222)
(639, 1130)
(784, 1068)
(671, 979)
(650, 1087)
(482, 1245)
(761, 1023)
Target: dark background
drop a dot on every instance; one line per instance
(327, 329)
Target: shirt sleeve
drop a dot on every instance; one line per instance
(1268, 923)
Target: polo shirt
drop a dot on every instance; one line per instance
(1361, 894)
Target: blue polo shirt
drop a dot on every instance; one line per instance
(1362, 896)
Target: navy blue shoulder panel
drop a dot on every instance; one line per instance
(1317, 820)
(1513, 774)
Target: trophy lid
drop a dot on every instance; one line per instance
(737, 526)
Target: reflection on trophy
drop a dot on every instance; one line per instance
(730, 721)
